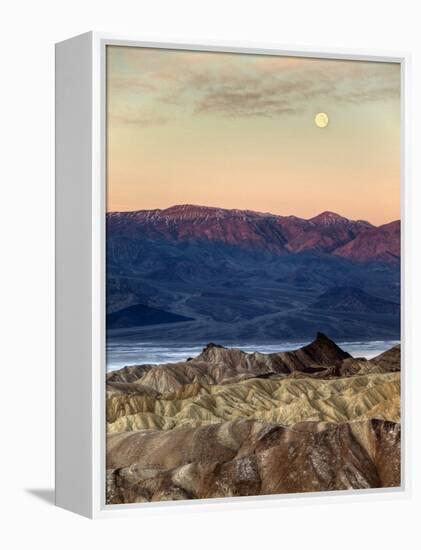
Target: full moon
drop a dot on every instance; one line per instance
(321, 120)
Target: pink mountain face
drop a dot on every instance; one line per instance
(378, 243)
(323, 233)
(190, 223)
(328, 232)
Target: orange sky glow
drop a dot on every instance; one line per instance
(238, 131)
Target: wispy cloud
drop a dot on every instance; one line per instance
(140, 118)
(174, 82)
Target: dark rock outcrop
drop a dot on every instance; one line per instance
(251, 458)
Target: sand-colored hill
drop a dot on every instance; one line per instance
(230, 423)
(389, 361)
(284, 401)
(219, 365)
(128, 374)
(247, 457)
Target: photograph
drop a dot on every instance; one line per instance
(253, 274)
(211, 237)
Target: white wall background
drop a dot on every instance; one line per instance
(28, 32)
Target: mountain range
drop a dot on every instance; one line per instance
(206, 273)
(327, 232)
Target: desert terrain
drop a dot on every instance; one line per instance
(230, 423)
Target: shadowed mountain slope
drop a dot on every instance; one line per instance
(354, 300)
(240, 274)
(139, 315)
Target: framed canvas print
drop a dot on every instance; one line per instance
(230, 289)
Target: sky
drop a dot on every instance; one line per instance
(238, 131)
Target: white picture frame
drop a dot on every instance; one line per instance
(80, 275)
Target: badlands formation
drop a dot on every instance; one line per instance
(229, 423)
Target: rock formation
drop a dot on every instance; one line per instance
(228, 423)
(247, 457)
